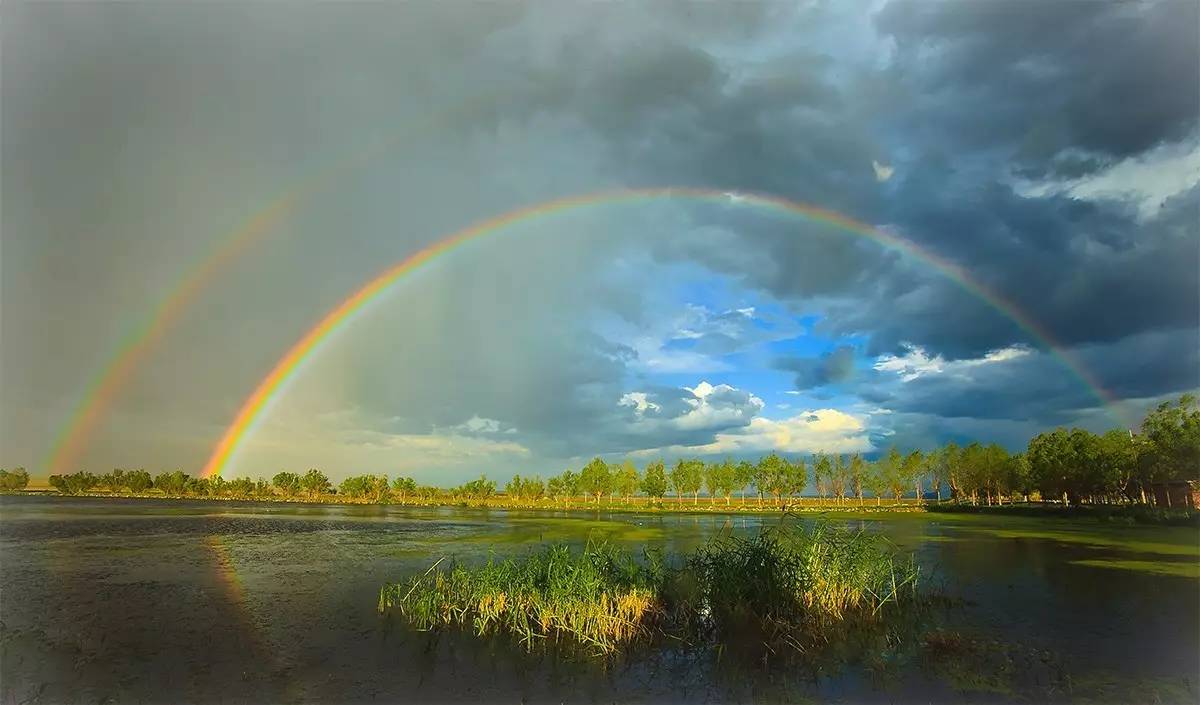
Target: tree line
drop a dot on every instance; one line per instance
(1073, 466)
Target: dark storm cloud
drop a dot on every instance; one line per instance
(1112, 79)
(1039, 388)
(133, 135)
(830, 368)
(975, 87)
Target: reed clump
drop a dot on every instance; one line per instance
(783, 585)
(600, 596)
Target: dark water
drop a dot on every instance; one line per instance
(166, 602)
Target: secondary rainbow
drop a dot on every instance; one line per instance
(287, 366)
(135, 346)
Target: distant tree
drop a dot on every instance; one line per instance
(1170, 445)
(654, 482)
(479, 489)
(776, 472)
(762, 477)
(554, 487)
(892, 467)
(858, 476)
(570, 483)
(911, 470)
(596, 479)
(822, 469)
(721, 479)
(875, 478)
(627, 480)
(839, 476)
(113, 481)
(242, 487)
(533, 489)
(202, 487)
(13, 480)
(687, 477)
(288, 483)
(171, 483)
(1022, 476)
(213, 487)
(745, 477)
(797, 476)
(138, 481)
(315, 483)
(527, 489)
(402, 487)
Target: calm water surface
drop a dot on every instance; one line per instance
(164, 602)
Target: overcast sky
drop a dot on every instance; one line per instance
(1049, 149)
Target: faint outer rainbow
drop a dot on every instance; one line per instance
(287, 366)
(104, 387)
(134, 347)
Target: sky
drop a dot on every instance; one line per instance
(1050, 151)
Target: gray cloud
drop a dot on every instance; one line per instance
(135, 136)
(830, 368)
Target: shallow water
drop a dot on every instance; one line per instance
(167, 601)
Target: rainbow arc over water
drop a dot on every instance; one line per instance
(287, 367)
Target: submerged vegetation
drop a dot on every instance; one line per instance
(783, 587)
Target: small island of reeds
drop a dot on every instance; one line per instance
(786, 586)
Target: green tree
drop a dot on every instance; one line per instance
(1170, 446)
(654, 482)
(821, 472)
(721, 479)
(745, 477)
(171, 483)
(138, 481)
(762, 478)
(778, 476)
(687, 477)
(839, 477)
(912, 469)
(627, 480)
(797, 474)
(570, 483)
(288, 483)
(554, 487)
(13, 480)
(596, 479)
(875, 479)
(315, 483)
(403, 487)
(892, 467)
(858, 476)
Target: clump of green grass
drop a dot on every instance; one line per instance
(599, 596)
(787, 581)
(777, 586)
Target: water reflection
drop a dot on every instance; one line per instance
(242, 602)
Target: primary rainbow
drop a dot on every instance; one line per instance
(287, 366)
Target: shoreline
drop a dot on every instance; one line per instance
(807, 505)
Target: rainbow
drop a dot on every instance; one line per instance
(254, 406)
(134, 347)
(139, 342)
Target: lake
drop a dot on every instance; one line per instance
(106, 600)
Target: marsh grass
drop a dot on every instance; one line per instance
(599, 596)
(785, 586)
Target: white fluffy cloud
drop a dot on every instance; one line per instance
(718, 407)
(1146, 180)
(916, 362)
(703, 407)
(820, 430)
